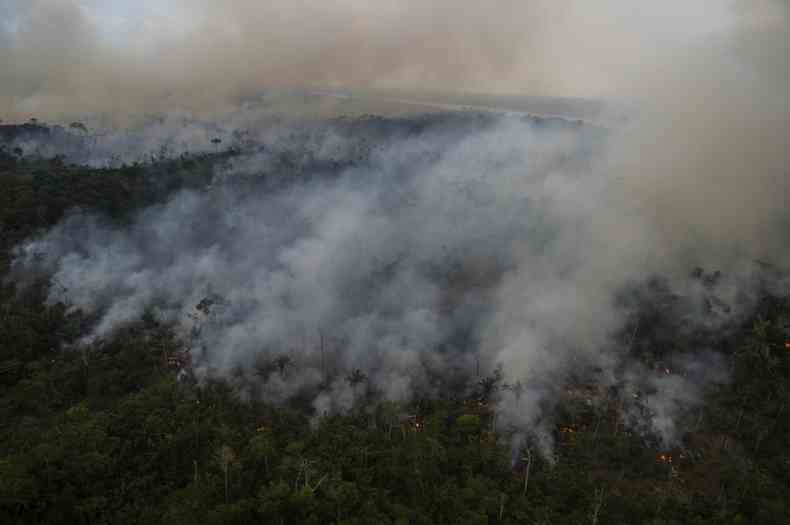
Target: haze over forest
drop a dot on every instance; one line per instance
(335, 209)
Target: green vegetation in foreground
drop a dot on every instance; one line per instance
(108, 434)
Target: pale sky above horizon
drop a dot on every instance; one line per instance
(56, 50)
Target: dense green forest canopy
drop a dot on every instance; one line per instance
(119, 430)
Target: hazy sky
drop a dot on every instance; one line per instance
(100, 55)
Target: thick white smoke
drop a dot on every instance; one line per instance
(361, 259)
(502, 244)
(507, 242)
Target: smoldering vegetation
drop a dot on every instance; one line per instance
(280, 123)
(339, 263)
(229, 292)
(328, 260)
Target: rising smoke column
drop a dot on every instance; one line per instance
(442, 250)
(696, 176)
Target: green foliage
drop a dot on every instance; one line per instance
(468, 423)
(105, 433)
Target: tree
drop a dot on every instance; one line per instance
(468, 424)
(262, 446)
(282, 363)
(225, 457)
(527, 457)
(390, 410)
(356, 377)
(487, 386)
(345, 496)
(600, 493)
(516, 388)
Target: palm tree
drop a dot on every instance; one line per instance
(356, 377)
(282, 363)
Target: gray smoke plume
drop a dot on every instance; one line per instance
(440, 250)
(510, 242)
(362, 258)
